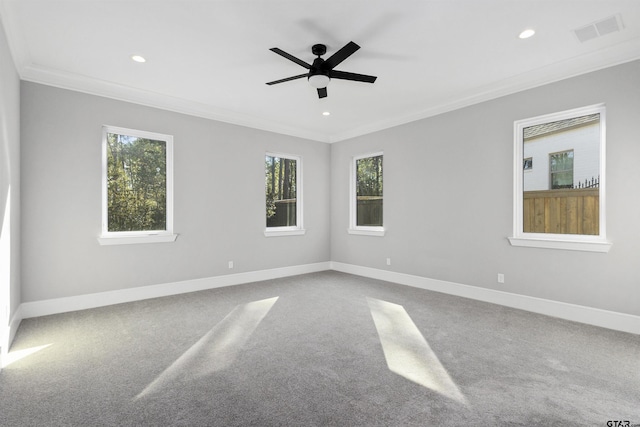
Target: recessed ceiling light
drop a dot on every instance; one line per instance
(527, 33)
(326, 113)
(138, 58)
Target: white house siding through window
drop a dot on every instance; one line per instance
(574, 142)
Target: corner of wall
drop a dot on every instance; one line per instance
(10, 264)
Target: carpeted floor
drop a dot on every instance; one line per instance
(324, 349)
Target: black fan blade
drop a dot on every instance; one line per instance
(322, 92)
(290, 57)
(334, 74)
(340, 56)
(287, 79)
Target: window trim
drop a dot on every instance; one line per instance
(135, 237)
(298, 229)
(576, 242)
(378, 231)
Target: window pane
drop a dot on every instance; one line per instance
(369, 191)
(561, 194)
(562, 161)
(136, 183)
(280, 189)
(562, 180)
(561, 167)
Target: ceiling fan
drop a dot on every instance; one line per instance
(322, 71)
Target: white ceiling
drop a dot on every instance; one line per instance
(212, 59)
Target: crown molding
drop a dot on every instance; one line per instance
(28, 71)
(579, 65)
(88, 85)
(594, 61)
(530, 80)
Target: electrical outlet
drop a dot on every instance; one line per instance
(500, 278)
(388, 261)
(230, 264)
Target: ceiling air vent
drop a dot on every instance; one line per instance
(598, 29)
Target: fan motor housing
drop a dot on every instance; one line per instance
(316, 67)
(318, 49)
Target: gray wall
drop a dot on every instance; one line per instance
(448, 195)
(9, 185)
(448, 198)
(217, 165)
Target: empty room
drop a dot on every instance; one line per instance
(319, 213)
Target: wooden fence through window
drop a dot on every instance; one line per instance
(565, 211)
(285, 215)
(369, 210)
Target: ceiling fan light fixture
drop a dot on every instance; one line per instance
(319, 81)
(321, 71)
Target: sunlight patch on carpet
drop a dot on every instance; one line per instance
(218, 348)
(14, 356)
(407, 352)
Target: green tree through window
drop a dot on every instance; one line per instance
(136, 183)
(281, 191)
(369, 191)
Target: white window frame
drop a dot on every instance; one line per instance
(378, 231)
(133, 237)
(298, 229)
(577, 242)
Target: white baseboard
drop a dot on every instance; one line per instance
(14, 323)
(588, 315)
(83, 302)
(7, 335)
(577, 313)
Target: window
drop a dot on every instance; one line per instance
(137, 187)
(283, 191)
(561, 170)
(560, 203)
(366, 195)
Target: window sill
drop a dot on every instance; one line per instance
(570, 245)
(136, 239)
(279, 232)
(367, 231)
